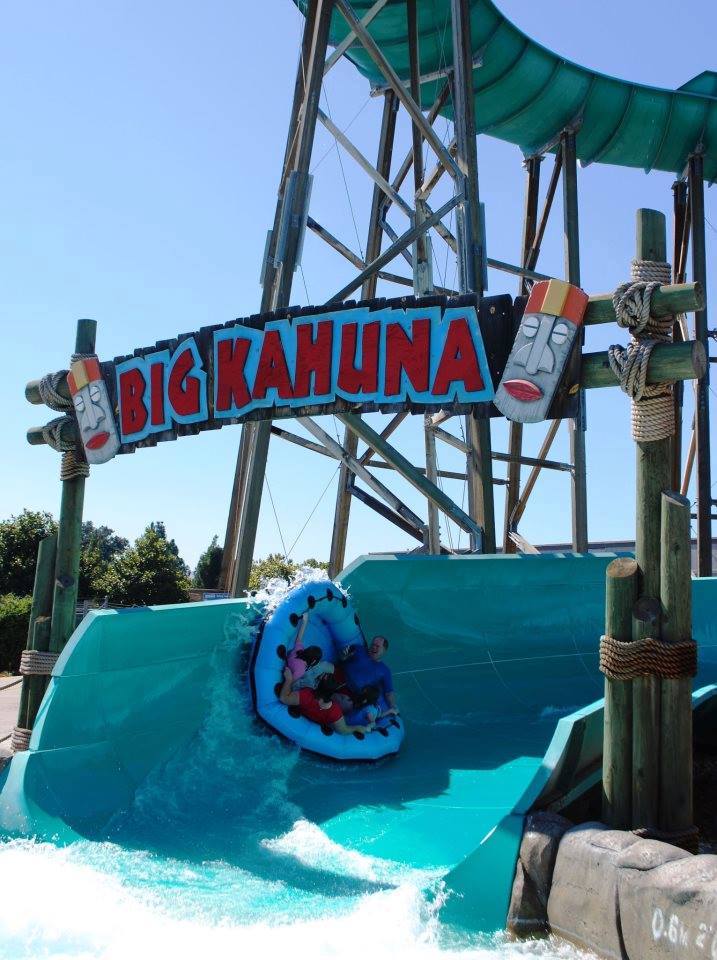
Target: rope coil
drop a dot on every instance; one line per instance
(647, 657)
(49, 393)
(73, 466)
(52, 434)
(20, 739)
(37, 663)
(653, 416)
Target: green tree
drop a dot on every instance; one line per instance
(19, 537)
(99, 546)
(14, 621)
(209, 566)
(149, 572)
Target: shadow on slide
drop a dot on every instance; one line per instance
(145, 735)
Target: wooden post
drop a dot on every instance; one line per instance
(33, 687)
(620, 595)
(702, 387)
(676, 695)
(67, 565)
(572, 274)
(515, 430)
(278, 278)
(653, 478)
(479, 465)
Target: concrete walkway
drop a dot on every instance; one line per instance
(9, 703)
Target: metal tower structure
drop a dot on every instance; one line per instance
(588, 124)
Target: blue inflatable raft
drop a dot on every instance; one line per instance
(333, 625)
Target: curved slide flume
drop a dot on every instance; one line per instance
(147, 736)
(527, 95)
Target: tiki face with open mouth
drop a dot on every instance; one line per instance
(93, 411)
(553, 316)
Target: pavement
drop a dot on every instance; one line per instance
(9, 703)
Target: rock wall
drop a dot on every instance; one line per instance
(621, 896)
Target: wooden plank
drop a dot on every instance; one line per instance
(702, 387)
(350, 37)
(410, 473)
(405, 240)
(666, 300)
(621, 579)
(668, 361)
(390, 428)
(479, 464)
(397, 86)
(676, 813)
(385, 512)
(334, 447)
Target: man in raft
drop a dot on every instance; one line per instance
(363, 667)
(317, 704)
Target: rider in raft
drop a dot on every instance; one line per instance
(317, 704)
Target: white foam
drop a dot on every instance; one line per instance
(307, 843)
(90, 902)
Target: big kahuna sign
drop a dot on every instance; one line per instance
(388, 355)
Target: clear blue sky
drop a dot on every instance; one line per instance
(141, 152)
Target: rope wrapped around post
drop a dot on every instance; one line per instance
(73, 463)
(20, 739)
(647, 657)
(37, 663)
(653, 415)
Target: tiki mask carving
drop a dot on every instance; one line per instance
(551, 323)
(93, 411)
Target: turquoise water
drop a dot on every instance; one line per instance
(205, 865)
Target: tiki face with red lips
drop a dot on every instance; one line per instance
(553, 316)
(93, 410)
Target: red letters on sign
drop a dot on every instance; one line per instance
(409, 354)
(313, 356)
(232, 389)
(364, 379)
(272, 370)
(183, 389)
(458, 360)
(156, 378)
(132, 387)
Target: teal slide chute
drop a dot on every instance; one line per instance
(526, 94)
(494, 661)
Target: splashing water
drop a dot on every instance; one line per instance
(204, 864)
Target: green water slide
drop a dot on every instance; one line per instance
(495, 665)
(526, 94)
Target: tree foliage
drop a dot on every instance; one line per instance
(99, 546)
(14, 620)
(149, 572)
(209, 566)
(19, 539)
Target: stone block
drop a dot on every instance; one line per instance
(668, 903)
(528, 910)
(582, 906)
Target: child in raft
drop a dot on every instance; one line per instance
(364, 707)
(318, 705)
(306, 664)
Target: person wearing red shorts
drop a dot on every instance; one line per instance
(317, 705)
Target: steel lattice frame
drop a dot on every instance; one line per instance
(459, 161)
